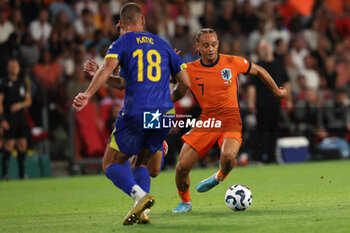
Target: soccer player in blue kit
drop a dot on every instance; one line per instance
(148, 62)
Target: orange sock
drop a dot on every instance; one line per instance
(220, 176)
(185, 196)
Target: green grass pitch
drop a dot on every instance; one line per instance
(308, 197)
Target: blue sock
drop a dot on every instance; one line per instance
(162, 164)
(121, 176)
(142, 178)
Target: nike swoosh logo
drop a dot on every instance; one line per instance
(198, 78)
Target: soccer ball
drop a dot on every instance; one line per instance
(238, 197)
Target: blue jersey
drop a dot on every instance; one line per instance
(146, 63)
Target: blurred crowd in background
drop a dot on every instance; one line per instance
(309, 39)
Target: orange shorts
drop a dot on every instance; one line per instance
(202, 141)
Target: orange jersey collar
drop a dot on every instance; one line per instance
(216, 62)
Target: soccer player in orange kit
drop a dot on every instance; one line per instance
(214, 83)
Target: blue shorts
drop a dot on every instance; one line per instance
(129, 136)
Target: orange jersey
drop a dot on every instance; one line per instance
(215, 87)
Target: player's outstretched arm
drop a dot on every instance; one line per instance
(91, 67)
(182, 85)
(100, 78)
(266, 78)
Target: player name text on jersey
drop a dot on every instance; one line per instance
(144, 39)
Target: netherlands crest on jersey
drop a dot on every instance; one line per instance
(226, 74)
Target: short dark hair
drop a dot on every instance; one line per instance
(12, 59)
(130, 13)
(204, 31)
(278, 42)
(85, 11)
